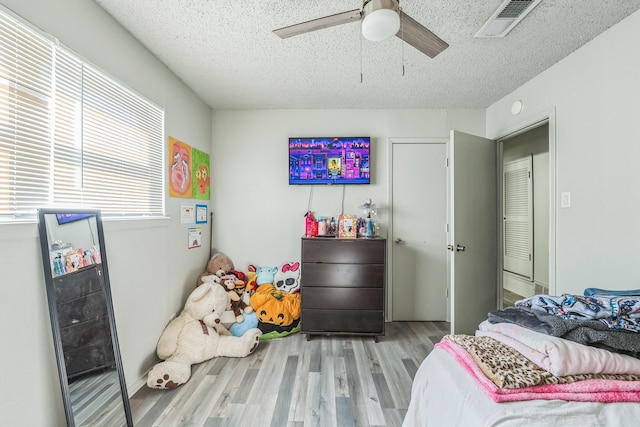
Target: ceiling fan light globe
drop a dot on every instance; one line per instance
(380, 25)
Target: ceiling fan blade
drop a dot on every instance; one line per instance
(418, 36)
(319, 24)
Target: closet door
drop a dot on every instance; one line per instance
(517, 224)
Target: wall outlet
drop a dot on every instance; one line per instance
(565, 199)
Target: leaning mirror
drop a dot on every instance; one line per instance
(82, 320)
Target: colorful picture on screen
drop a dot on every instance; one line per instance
(65, 218)
(329, 160)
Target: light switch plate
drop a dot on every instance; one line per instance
(565, 199)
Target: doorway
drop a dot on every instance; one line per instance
(525, 244)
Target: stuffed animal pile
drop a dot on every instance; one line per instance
(262, 304)
(196, 335)
(265, 297)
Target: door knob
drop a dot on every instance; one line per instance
(460, 248)
(450, 248)
(398, 241)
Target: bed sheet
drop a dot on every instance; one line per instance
(444, 395)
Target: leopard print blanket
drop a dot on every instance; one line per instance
(509, 369)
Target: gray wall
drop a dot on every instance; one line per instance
(151, 268)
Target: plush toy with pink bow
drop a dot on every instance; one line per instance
(287, 278)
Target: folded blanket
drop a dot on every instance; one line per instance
(559, 356)
(621, 293)
(590, 332)
(617, 312)
(488, 355)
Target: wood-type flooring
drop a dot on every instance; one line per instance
(327, 381)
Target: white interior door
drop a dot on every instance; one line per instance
(472, 239)
(418, 233)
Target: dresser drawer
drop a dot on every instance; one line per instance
(78, 283)
(83, 334)
(81, 310)
(94, 356)
(342, 298)
(342, 275)
(343, 321)
(344, 251)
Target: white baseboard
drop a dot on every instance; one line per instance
(517, 284)
(133, 388)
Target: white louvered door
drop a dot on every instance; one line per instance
(518, 217)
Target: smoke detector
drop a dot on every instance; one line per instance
(506, 17)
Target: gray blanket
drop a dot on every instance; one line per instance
(589, 332)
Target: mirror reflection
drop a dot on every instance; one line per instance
(83, 326)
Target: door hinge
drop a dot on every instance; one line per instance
(447, 162)
(529, 257)
(447, 292)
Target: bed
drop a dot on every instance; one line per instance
(468, 380)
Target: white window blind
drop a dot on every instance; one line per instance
(25, 135)
(71, 136)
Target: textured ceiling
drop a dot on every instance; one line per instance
(226, 52)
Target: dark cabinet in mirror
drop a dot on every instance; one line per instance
(82, 320)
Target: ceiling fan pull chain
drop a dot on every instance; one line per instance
(361, 76)
(402, 38)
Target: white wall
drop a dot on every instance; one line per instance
(151, 269)
(258, 216)
(595, 95)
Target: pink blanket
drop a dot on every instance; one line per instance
(591, 390)
(559, 356)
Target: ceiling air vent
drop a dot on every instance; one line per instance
(506, 17)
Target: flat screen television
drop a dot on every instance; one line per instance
(330, 160)
(65, 218)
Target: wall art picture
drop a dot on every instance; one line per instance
(201, 175)
(180, 169)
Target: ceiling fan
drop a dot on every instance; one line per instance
(381, 19)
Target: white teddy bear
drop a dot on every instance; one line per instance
(196, 335)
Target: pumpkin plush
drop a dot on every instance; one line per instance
(274, 306)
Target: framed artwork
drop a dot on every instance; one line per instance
(201, 177)
(75, 260)
(180, 171)
(347, 226)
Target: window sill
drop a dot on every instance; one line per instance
(28, 229)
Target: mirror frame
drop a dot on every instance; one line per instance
(53, 311)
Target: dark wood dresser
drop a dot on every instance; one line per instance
(83, 321)
(343, 286)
